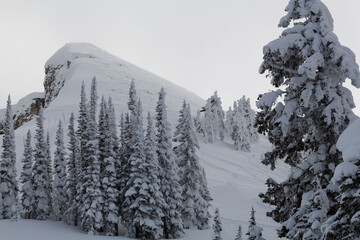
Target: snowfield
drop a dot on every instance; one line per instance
(235, 180)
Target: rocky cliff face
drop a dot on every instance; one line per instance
(25, 110)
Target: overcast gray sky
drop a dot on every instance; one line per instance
(202, 45)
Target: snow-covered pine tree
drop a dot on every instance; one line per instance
(254, 232)
(59, 196)
(195, 210)
(91, 204)
(142, 205)
(217, 226)
(308, 65)
(8, 182)
(307, 220)
(198, 123)
(169, 178)
(82, 124)
(249, 115)
(240, 136)
(228, 121)
(27, 197)
(73, 180)
(239, 234)
(114, 139)
(344, 223)
(40, 178)
(213, 121)
(107, 158)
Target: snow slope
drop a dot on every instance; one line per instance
(235, 180)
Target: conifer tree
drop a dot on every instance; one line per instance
(202, 207)
(190, 172)
(214, 125)
(27, 197)
(254, 232)
(91, 204)
(241, 131)
(217, 226)
(8, 182)
(239, 234)
(82, 124)
(107, 158)
(198, 123)
(40, 178)
(142, 205)
(169, 178)
(73, 179)
(60, 199)
(308, 65)
(229, 121)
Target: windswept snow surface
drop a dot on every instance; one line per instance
(235, 180)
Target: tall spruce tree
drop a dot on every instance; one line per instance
(59, 196)
(239, 234)
(217, 226)
(254, 232)
(40, 179)
(8, 182)
(91, 204)
(142, 207)
(213, 121)
(169, 178)
(73, 174)
(190, 172)
(308, 65)
(241, 132)
(107, 158)
(27, 197)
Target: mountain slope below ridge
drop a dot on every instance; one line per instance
(235, 180)
(77, 62)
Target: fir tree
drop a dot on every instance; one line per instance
(40, 178)
(82, 124)
(217, 226)
(213, 119)
(241, 131)
(198, 123)
(344, 223)
(27, 197)
(8, 182)
(142, 205)
(73, 180)
(169, 178)
(254, 231)
(107, 158)
(308, 65)
(190, 172)
(60, 199)
(239, 234)
(203, 210)
(91, 204)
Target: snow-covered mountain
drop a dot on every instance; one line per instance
(77, 62)
(235, 178)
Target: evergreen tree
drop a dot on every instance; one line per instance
(241, 131)
(40, 178)
(190, 172)
(107, 158)
(254, 231)
(73, 180)
(308, 65)
(60, 199)
(214, 125)
(239, 234)
(344, 223)
(133, 99)
(203, 210)
(91, 202)
(229, 121)
(142, 205)
(8, 183)
(198, 123)
(82, 124)
(217, 226)
(27, 197)
(169, 178)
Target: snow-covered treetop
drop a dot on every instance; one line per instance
(319, 47)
